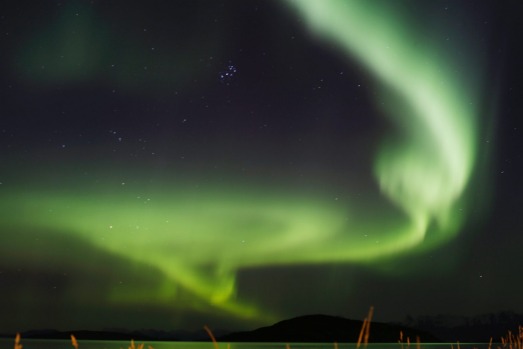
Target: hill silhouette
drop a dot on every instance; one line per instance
(325, 328)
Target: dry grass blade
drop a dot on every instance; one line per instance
(400, 341)
(362, 331)
(74, 342)
(209, 332)
(17, 342)
(367, 330)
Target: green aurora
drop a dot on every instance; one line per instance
(425, 167)
(200, 239)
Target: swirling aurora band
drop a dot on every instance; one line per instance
(199, 241)
(426, 169)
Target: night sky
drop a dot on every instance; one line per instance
(170, 164)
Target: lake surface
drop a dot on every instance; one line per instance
(89, 344)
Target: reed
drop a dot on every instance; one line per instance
(17, 342)
(74, 342)
(512, 341)
(365, 329)
(211, 335)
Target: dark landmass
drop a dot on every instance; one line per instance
(479, 329)
(84, 335)
(145, 335)
(122, 335)
(322, 328)
(327, 329)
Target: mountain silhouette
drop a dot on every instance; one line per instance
(325, 328)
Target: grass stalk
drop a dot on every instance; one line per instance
(211, 335)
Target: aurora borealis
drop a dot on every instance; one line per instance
(425, 169)
(349, 146)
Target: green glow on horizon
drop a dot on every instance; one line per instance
(200, 240)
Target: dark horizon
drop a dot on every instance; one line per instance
(173, 164)
(317, 328)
